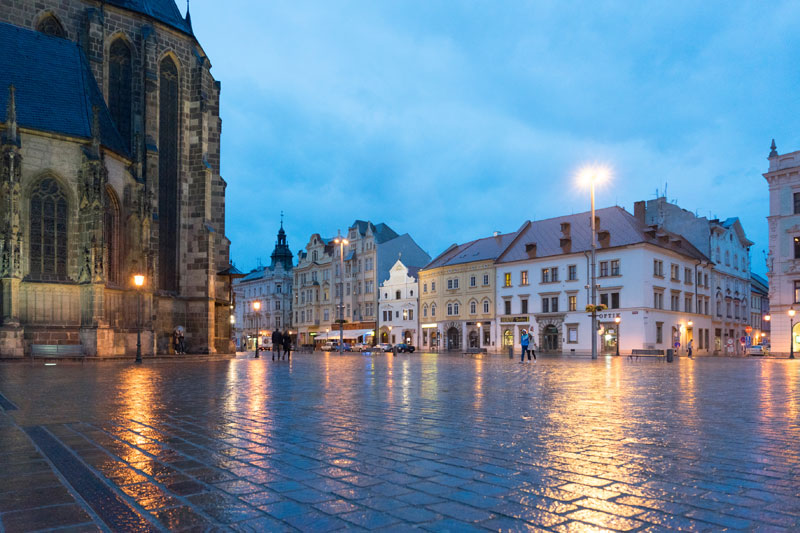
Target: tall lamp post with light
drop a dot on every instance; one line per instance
(256, 308)
(791, 332)
(617, 320)
(593, 175)
(138, 280)
(341, 241)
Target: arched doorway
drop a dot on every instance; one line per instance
(408, 338)
(550, 339)
(474, 341)
(453, 339)
(384, 336)
(508, 338)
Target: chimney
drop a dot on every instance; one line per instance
(639, 210)
(604, 238)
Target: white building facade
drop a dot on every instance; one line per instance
(271, 287)
(783, 260)
(654, 281)
(399, 306)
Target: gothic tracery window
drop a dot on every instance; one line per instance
(168, 175)
(50, 25)
(48, 232)
(120, 88)
(111, 232)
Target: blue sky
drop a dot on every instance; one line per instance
(451, 119)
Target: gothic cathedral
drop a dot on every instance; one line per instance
(109, 168)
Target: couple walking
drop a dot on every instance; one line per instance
(527, 340)
(281, 340)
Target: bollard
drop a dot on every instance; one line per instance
(670, 355)
(394, 350)
(510, 352)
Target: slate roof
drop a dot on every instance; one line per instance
(165, 11)
(381, 231)
(623, 228)
(55, 88)
(477, 250)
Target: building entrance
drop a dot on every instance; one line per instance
(453, 339)
(550, 339)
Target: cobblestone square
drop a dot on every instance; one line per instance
(436, 442)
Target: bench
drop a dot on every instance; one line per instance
(636, 354)
(56, 350)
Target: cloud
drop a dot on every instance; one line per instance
(451, 120)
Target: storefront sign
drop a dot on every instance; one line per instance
(360, 325)
(519, 318)
(607, 315)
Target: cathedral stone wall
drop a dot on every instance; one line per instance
(200, 301)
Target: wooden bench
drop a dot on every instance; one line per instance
(636, 354)
(56, 350)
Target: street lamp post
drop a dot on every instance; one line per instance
(256, 308)
(138, 280)
(791, 333)
(341, 241)
(617, 320)
(593, 175)
(480, 335)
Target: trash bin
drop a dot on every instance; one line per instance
(670, 355)
(510, 352)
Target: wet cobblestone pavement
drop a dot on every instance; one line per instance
(440, 443)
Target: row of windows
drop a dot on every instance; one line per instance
(408, 314)
(398, 295)
(550, 304)
(304, 316)
(550, 274)
(261, 290)
(453, 283)
(453, 308)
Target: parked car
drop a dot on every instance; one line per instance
(361, 347)
(384, 347)
(334, 347)
(404, 348)
(756, 350)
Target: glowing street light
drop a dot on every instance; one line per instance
(791, 332)
(138, 281)
(341, 241)
(591, 175)
(617, 320)
(256, 308)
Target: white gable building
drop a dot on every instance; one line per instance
(399, 306)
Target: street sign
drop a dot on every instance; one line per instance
(677, 345)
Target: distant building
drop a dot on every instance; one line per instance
(271, 286)
(724, 242)
(759, 308)
(371, 251)
(783, 260)
(655, 281)
(399, 306)
(457, 295)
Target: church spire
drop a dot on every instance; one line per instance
(774, 149)
(11, 135)
(188, 15)
(282, 254)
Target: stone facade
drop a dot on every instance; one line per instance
(271, 286)
(113, 202)
(783, 260)
(399, 306)
(322, 275)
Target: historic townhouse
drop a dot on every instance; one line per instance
(271, 287)
(109, 167)
(399, 306)
(759, 309)
(323, 290)
(457, 295)
(783, 261)
(724, 242)
(653, 280)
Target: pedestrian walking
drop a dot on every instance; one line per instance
(690, 347)
(524, 340)
(181, 340)
(287, 345)
(176, 341)
(532, 345)
(277, 343)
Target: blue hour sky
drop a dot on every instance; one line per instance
(451, 119)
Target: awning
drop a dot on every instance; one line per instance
(347, 334)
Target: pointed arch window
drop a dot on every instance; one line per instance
(111, 234)
(50, 25)
(120, 87)
(48, 232)
(168, 176)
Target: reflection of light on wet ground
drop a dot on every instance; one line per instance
(478, 394)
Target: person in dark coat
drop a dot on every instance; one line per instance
(287, 345)
(277, 343)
